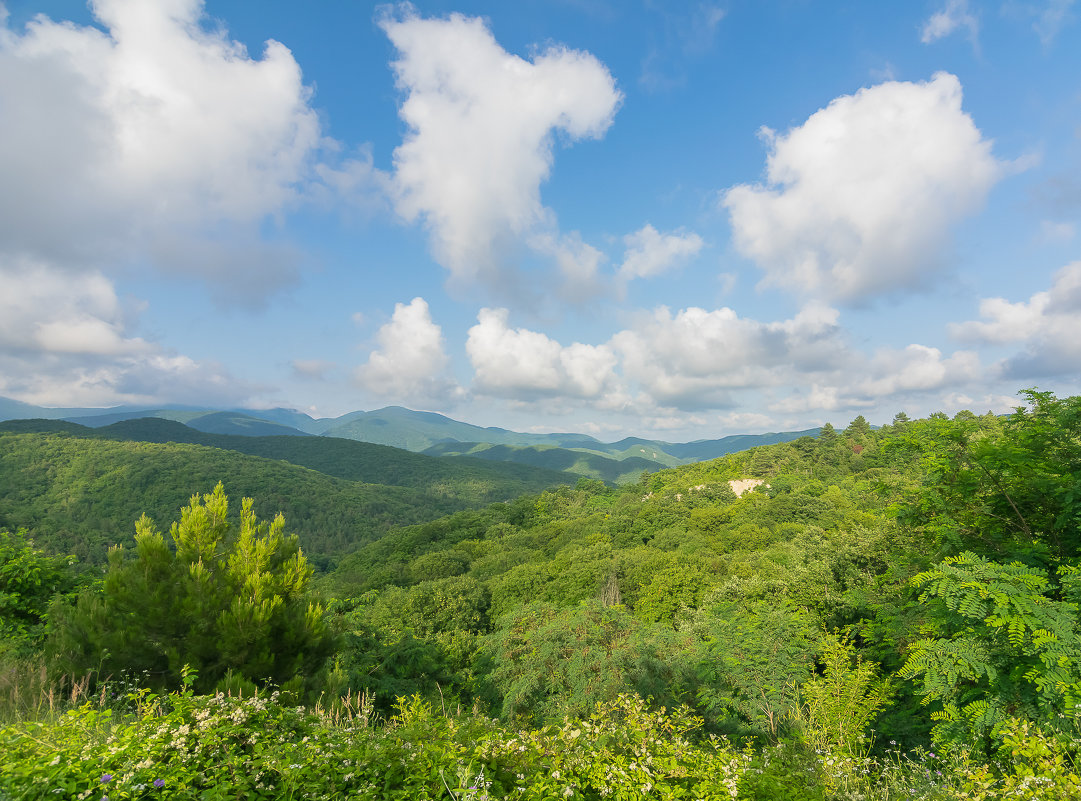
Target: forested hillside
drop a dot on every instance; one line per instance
(872, 613)
(578, 462)
(79, 492)
(473, 481)
(419, 432)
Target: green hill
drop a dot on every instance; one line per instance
(703, 449)
(239, 423)
(579, 462)
(471, 481)
(80, 493)
(418, 431)
(403, 428)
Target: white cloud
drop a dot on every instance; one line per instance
(953, 402)
(651, 253)
(747, 421)
(861, 197)
(900, 376)
(116, 144)
(696, 358)
(528, 365)
(816, 397)
(1048, 325)
(893, 371)
(481, 130)
(43, 310)
(64, 340)
(410, 362)
(954, 15)
(670, 364)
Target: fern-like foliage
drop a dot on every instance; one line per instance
(1001, 646)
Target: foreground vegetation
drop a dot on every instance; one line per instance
(210, 747)
(889, 613)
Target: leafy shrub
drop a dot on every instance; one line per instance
(1003, 649)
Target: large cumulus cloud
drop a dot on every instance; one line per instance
(860, 199)
(152, 142)
(482, 127)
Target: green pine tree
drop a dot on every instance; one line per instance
(227, 603)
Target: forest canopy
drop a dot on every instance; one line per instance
(915, 583)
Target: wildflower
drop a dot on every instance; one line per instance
(159, 783)
(106, 778)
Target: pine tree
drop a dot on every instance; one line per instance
(223, 603)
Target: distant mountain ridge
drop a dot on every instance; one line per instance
(448, 483)
(431, 433)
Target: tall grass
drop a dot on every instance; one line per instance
(28, 693)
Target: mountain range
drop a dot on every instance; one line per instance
(421, 432)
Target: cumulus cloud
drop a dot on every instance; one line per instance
(899, 375)
(528, 365)
(66, 337)
(859, 199)
(651, 253)
(894, 371)
(695, 359)
(45, 311)
(116, 143)
(955, 14)
(671, 364)
(410, 362)
(482, 125)
(1048, 325)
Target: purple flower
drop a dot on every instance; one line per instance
(106, 778)
(159, 783)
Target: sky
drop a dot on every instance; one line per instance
(617, 217)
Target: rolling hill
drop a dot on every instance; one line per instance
(435, 434)
(580, 462)
(79, 490)
(470, 481)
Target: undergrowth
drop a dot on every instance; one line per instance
(210, 747)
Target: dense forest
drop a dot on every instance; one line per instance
(80, 490)
(870, 613)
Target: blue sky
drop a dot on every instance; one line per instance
(676, 220)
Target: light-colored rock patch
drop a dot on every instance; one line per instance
(742, 485)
